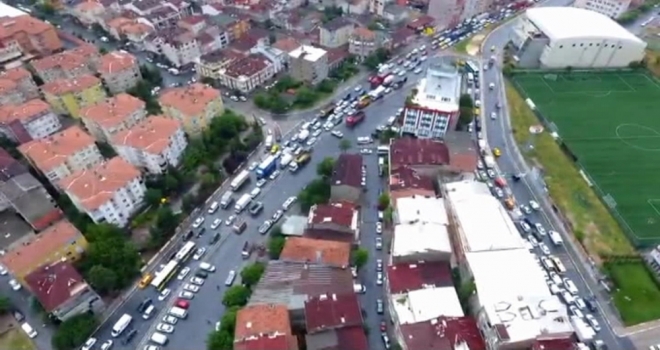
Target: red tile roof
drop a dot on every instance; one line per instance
(330, 311)
(347, 170)
(248, 66)
(267, 342)
(408, 277)
(262, 319)
(318, 251)
(555, 344)
(421, 22)
(443, 333)
(340, 213)
(408, 178)
(54, 284)
(338, 339)
(416, 152)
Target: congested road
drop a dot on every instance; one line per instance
(206, 307)
(531, 187)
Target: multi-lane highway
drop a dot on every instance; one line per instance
(531, 187)
(206, 307)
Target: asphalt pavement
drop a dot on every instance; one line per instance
(531, 187)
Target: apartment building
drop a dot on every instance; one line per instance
(62, 154)
(248, 73)
(193, 105)
(88, 12)
(24, 196)
(109, 192)
(69, 64)
(308, 64)
(62, 291)
(338, 221)
(154, 144)
(60, 242)
(120, 71)
(364, 42)
(28, 121)
(450, 13)
(133, 30)
(235, 25)
(178, 45)
(434, 109)
(211, 64)
(33, 37)
(609, 8)
(118, 113)
(336, 32)
(69, 96)
(17, 86)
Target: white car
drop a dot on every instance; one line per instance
(164, 294)
(14, 284)
(525, 227)
(277, 215)
(311, 142)
(498, 192)
(544, 248)
(3, 271)
(213, 208)
(555, 278)
(366, 151)
(534, 205)
(274, 175)
(540, 229)
(216, 223)
(287, 203)
(379, 278)
(186, 295)
(417, 70)
(88, 344)
(165, 328)
(198, 222)
(593, 322)
(230, 220)
(525, 209)
(170, 319)
(493, 115)
(199, 253)
(196, 280)
(107, 345)
(575, 311)
(261, 183)
(379, 227)
(183, 273)
(191, 288)
(570, 286)
(253, 166)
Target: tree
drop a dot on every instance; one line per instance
(236, 296)
(326, 86)
(103, 50)
(326, 167)
(103, 279)
(251, 274)
(305, 97)
(388, 214)
(383, 201)
(228, 321)
(221, 340)
(466, 101)
(275, 246)
(344, 145)
(5, 304)
(316, 192)
(227, 126)
(73, 332)
(208, 81)
(360, 257)
(465, 116)
(151, 75)
(153, 196)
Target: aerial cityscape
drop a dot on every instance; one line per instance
(329, 175)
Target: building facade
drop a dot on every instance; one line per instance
(29, 121)
(610, 8)
(247, 74)
(119, 71)
(308, 64)
(117, 113)
(69, 96)
(194, 106)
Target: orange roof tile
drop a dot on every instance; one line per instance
(88, 6)
(54, 150)
(118, 22)
(67, 60)
(47, 242)
(116, 61)
(15, 74)
(95, 187)
(136, 28)
(364, 33)
(152, 135)
(301, 249)
(64, 86)
(28, 24)
(23, 111)
(190, 100)
(113, 111)
(262, 319)
(7, 85)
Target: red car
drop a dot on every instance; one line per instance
(184, 304)
(383, 326)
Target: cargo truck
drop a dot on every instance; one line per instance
(355, 119)
(226, 199)
(285, 160)
(377, 92)
(583, 331)
(240, 179)
(326, 111)
(242, 203)
(303, 135)
(267, 167)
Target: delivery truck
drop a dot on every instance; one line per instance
(267, 167)
(285, 160)
(240, 179)
(242, 203)
(226, 200)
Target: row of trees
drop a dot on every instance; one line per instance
(379, 56)
(276, 243)
(632, 15)
(73, 333)
(234, 299)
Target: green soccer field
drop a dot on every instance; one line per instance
(611, 122)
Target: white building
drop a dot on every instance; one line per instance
(434, 108)
(109, 192)
(308, 64)
(153, 144)
(560, 37)
(62, 154)
(418, 209)
(248, 73)
(28, 121)
(513, 303)
(426, 304)
(420, 231)
(609, 8)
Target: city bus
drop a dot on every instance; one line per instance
(185, 252)
(471, 66)
(163, 276)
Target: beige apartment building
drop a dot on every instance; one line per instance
(194, 106)
(115, 114)
(17, 86)
(68, 64)
(120, 71)
(308, 64)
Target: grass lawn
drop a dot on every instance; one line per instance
(16, 340)
(604, 119)
(592, 223)
(461, 47)
(637, 295)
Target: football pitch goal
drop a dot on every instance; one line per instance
(610, 121)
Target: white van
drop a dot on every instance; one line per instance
(159, 338)
(207, 267)
(255, 192)
(149, 312)
(213, 208)
(178, 312)
(29, 330)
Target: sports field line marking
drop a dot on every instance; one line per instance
(653, 82)
(625, 82)
(657, 212)
(638, 126)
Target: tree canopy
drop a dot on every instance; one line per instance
(360, 257)
(236, 296)
(383, 201)
(372, 61)
(251, 274)
(316, 192)
(220, 340)
(325, 168)
(73, 332)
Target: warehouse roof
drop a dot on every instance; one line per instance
(570, 22)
